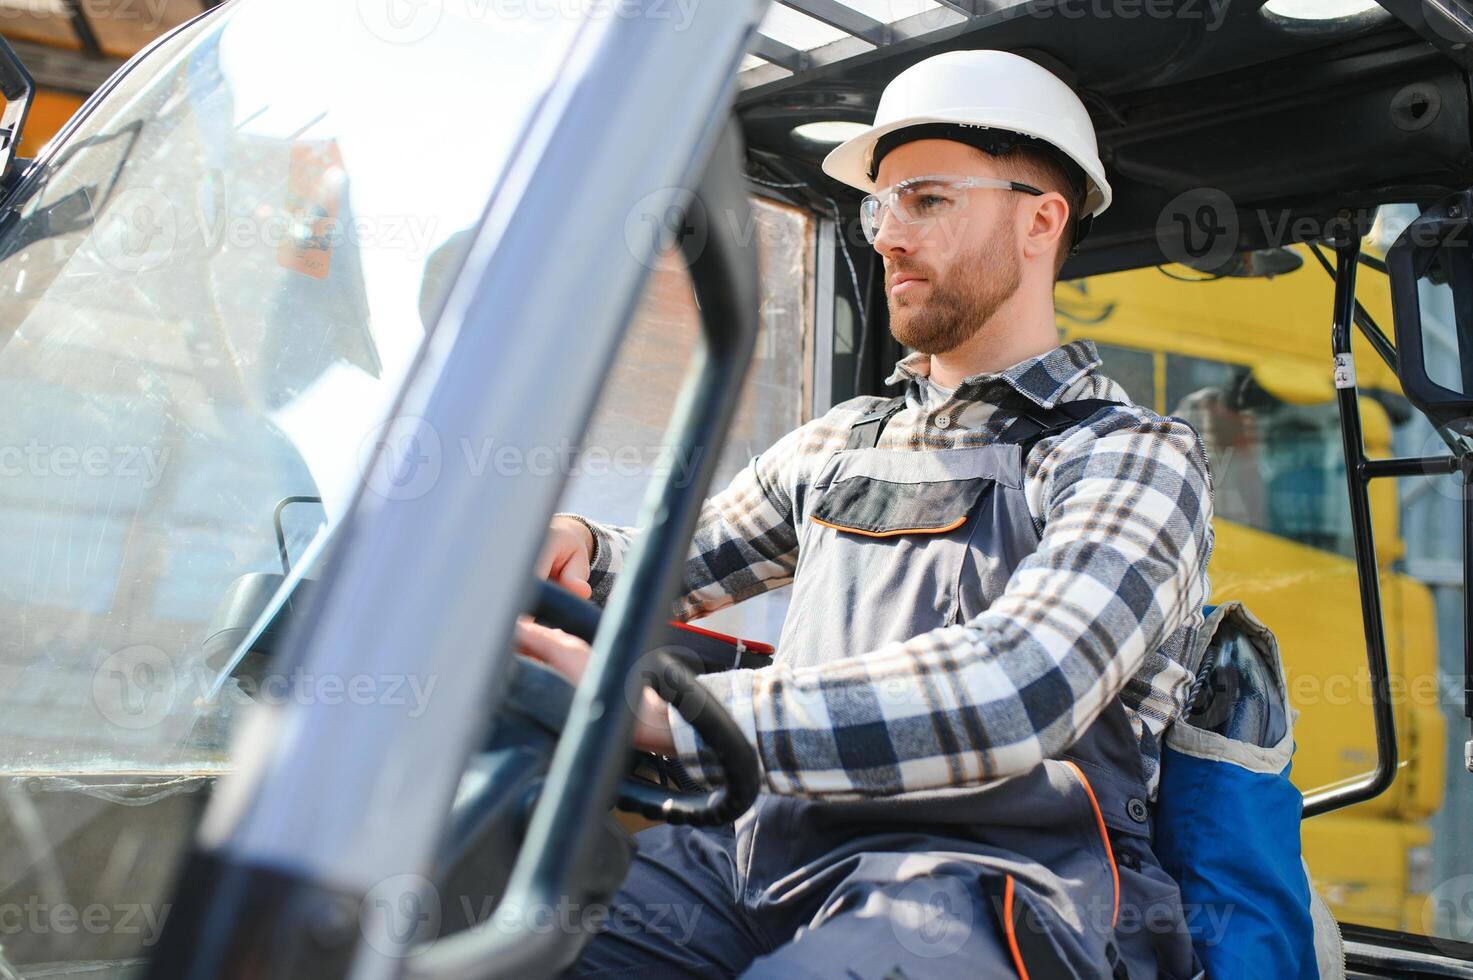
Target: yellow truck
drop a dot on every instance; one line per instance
(1243, 359)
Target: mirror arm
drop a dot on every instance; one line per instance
(1468, 612)
(1383, 346)
(1372, 331)
(1347, 254)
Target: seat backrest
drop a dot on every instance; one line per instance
(1228, 818)
(1237, 693)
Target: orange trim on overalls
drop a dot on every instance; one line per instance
(890, 534)
(1104, 836)
(1007, 928)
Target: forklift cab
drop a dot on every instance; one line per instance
(262, 330)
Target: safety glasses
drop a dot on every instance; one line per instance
(926, 198)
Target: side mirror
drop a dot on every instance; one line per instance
(19, 89)
(1431, 270)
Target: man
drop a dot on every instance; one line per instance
(993, 581)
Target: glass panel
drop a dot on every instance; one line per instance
(46, 21)
(1440, 862)
(628, 426)
(890, 11)
(124, 26)
(797, 30)
(1247, 362)
(211, 296)
(1446, 352)
(1276, 466)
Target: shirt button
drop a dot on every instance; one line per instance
(942, 421)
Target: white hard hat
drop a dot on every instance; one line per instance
(990, 89)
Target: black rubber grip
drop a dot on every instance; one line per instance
(675, 682)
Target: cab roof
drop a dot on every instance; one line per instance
(1295, 121)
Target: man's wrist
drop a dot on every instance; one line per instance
(593, 549)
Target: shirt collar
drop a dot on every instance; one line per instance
(1043, 379)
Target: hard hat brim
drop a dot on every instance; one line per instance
(849, 161)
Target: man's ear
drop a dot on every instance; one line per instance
(1043, 224)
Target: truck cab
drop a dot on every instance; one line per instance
(298, 354)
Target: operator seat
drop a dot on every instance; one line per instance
(1232, 746)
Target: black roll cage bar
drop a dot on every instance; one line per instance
(1359, 472)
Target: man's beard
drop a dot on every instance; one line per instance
(977, 284)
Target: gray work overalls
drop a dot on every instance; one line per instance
(1049, 874)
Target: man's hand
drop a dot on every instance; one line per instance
(568, 655)
(566, 556)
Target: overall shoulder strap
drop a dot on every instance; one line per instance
(1037, 422)
(865, 434)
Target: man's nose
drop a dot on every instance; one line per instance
(893, 237)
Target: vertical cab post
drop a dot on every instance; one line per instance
(1347, 257)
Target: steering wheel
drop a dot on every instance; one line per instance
(538, 692)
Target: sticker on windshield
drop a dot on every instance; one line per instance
(314, 191)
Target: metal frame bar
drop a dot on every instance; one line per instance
(846, 19)
(1468, 612)
(776, 52)
(430, 587)
(1373, 469)
(918, 25)
(1368, 327)
(82, 29)
(62, 70)
(580, 780)
(825, 277)
(1459, 460)
(1347, 252)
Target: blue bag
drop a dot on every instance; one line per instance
(1227, 816)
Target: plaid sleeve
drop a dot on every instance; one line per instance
(744, 543)
(1121, 565)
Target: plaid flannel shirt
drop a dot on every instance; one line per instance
(1104, 607)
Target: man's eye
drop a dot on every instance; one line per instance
(930, 203)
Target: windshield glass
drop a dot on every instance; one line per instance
(208, 297)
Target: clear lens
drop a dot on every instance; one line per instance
(870, 216)
(922, 199)
(925, 201)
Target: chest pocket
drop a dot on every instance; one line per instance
(912, 540)
(882, 493)
(899, 542)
